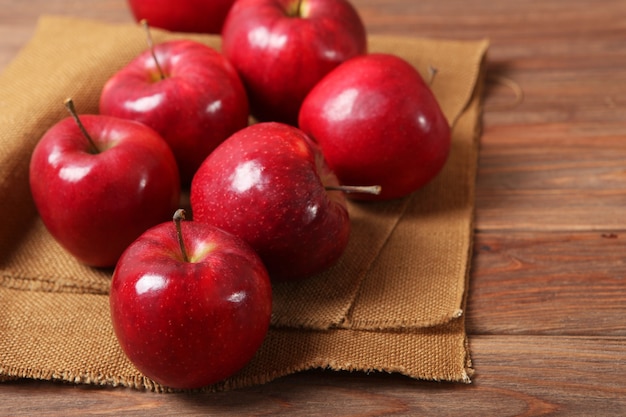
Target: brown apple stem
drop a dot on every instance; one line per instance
(69, 104)
(362, 189)
(432, 72)
(146, 27)
(299, 8)
(179, 216)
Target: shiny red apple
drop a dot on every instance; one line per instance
(198, 16)
(188, 92)
(378, 122)
(282, 48)
(269, 185)
(97, 190)
(190, 304)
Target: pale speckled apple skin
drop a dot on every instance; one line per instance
(190, 324)
(200, 103)
(266, 184)
(95, 205)
(280, 57)
(378, 122)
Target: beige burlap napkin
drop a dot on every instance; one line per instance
(393, 303)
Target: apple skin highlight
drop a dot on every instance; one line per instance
(188, 324)
(198, 104)
(267, 185)
(96, 204)
(281, 54)
(378, 122)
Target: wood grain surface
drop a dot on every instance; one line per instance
(547, 301)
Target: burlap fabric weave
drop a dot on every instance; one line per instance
(393, 303)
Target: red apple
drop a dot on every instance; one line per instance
(97, 193)
(199, 16)
(190, 304)
(378, 122)
(268, 185)
(194, 100)
(282, 48)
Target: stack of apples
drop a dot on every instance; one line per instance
(191, 299)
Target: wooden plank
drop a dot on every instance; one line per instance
(552, 176)
(558, 96)
(516, 376)
(548, 283)
(555, 210)
(28, 12)
(525, 29)
(556, 376)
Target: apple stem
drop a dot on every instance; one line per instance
(432, 72)
(299, 8)
(146, 27)
(69, 104)
(362, 189)
(179, 216)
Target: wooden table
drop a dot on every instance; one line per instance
(547, 302)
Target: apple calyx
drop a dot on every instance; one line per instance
(146, 27)
(297, 10)
(361, 189)
(179, 216)
(69, 104)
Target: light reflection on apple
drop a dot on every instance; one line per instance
(340, 108)
(144, 104)
(311, 213)
(150, 283)
(237, 297)
(247, 175)
(214, 107)
(74, 173)
(262, 38)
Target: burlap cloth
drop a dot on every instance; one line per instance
(393, 303)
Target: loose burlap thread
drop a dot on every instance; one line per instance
(393, 303)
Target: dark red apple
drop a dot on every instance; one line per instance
(198, 16)
(97, 193)
(282, 48)
(378, 122)
(190, 304)
(268, 185)
(194, 100)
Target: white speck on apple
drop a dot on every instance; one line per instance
(214, 106)
(237, 297)
(311, 212)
